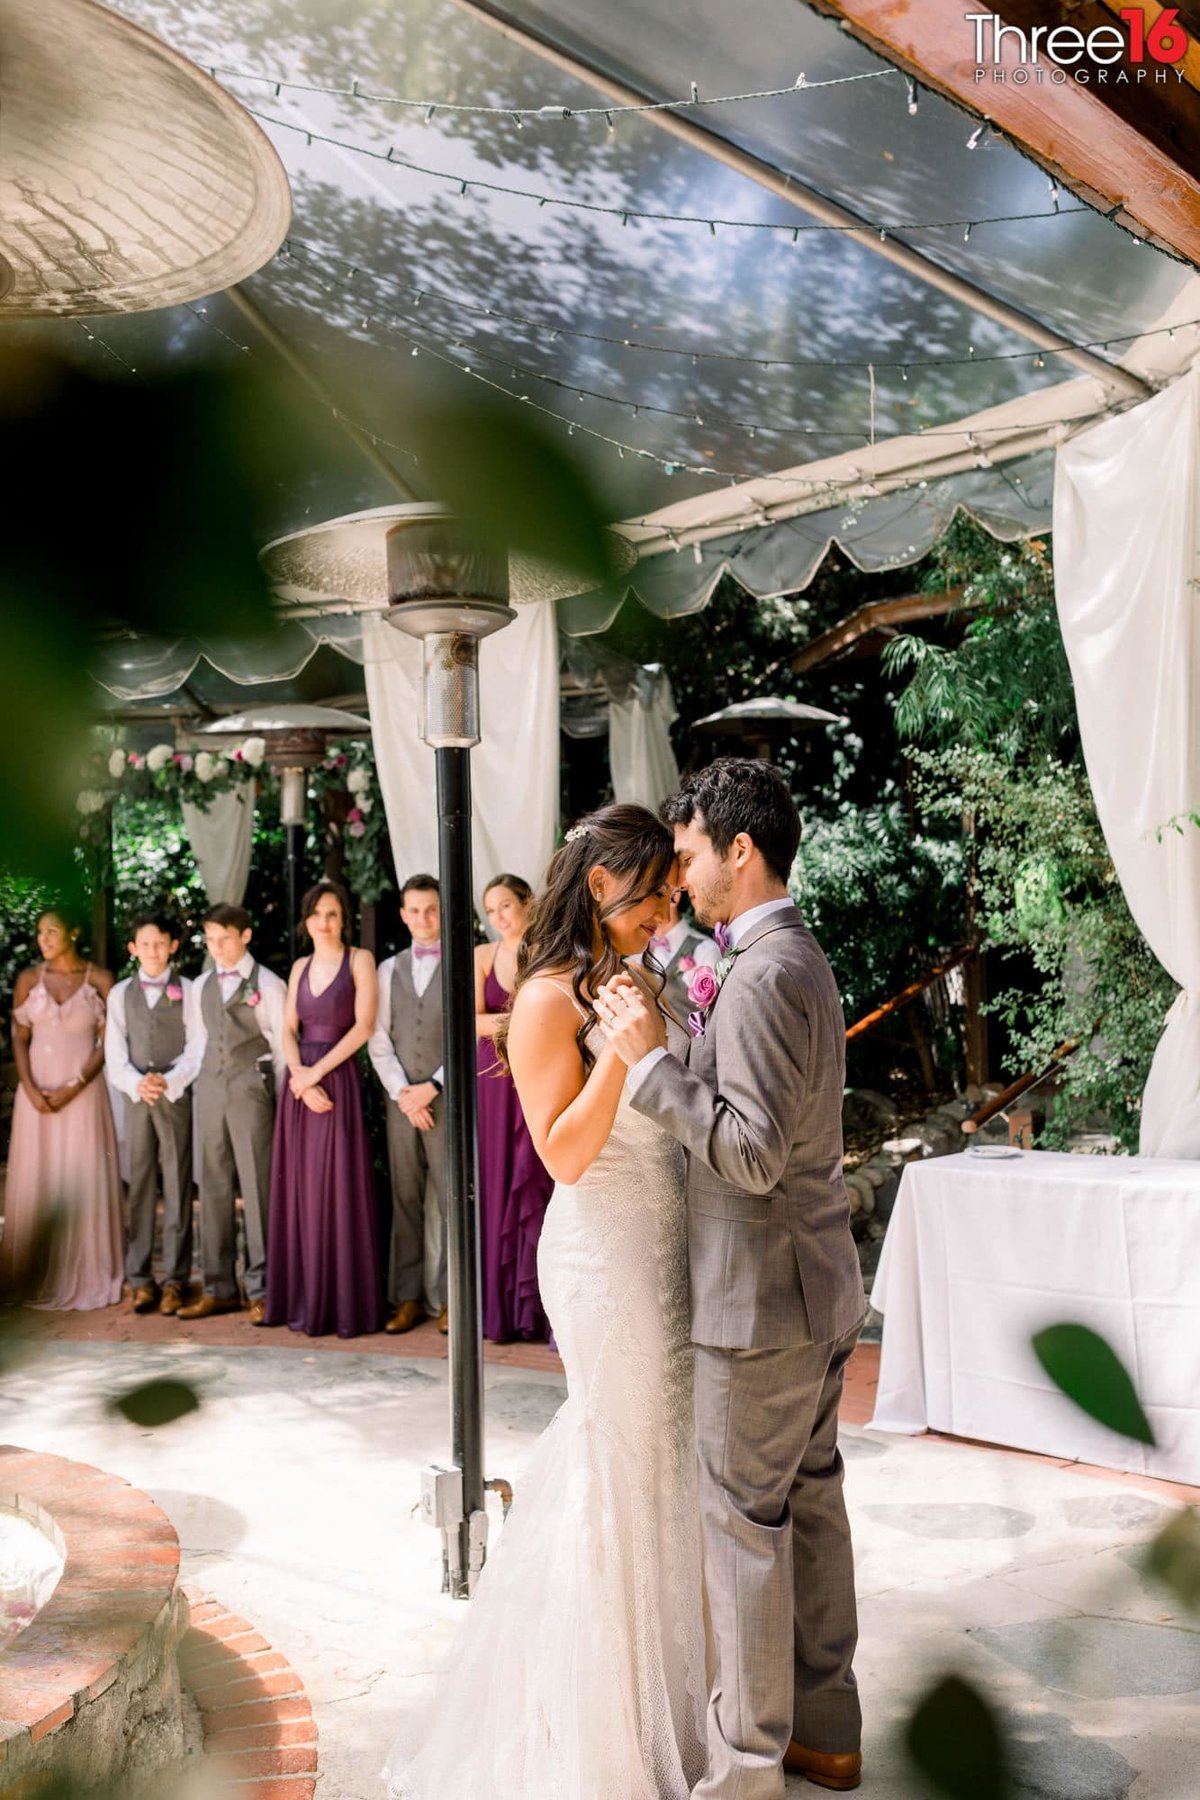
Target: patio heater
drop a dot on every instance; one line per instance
(450, 595)
(296, 737)
(764, 724)
(130, 179)
(419, 567)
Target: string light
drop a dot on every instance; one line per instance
(313, 256)
(336, 412)
(625, 214)
(670, 465)
(93, 337)
(552, 114)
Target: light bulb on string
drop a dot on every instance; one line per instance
(912, 96)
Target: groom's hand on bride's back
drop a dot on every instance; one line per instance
(632, 1025)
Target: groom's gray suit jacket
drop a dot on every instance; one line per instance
(758, 1108)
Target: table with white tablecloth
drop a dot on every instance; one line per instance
(983, 1253)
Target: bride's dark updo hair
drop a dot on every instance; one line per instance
(565, 919)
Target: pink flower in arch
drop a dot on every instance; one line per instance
(354, 816)
(356, 828)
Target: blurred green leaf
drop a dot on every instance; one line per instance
(157, 1403)
(1173, 1557)
(1089, 1372)
(131, 504)
(955, 1739)
(513, 485)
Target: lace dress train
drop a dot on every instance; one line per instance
(579, 1672)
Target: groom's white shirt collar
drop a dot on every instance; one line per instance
(744, 921)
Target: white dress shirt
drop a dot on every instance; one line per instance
(117, 1067)
(381, 1050)
(270, 1017)
(737, 930)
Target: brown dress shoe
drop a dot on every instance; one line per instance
(173, 1298)
(406, 1315)
(257, 1312)
(837, 1769)
(145, 1298)
(207, 1305)
(444, 1320)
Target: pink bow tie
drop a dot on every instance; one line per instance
(427, 949)
(229, 975)
(659, 944)
(148, 981)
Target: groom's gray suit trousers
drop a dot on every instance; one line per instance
(777, 1561)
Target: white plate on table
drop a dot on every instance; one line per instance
(995, 1152)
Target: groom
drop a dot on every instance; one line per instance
(776, 1293)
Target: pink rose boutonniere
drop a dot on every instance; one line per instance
(174, 991)
(253, 998)
(687, 964)
(702, 989)
(704, 984)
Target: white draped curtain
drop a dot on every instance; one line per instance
(1127, 568)
(640, 755)
(514, 770)
(221, 837)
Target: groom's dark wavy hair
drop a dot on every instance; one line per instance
(741, 793)
(565, 923)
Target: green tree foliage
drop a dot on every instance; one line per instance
(884, 905)
(996, 721)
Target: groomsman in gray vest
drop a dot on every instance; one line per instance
(678, 950)
(235, 1042)
(776, 1293)
(406, 1050)
(144, 1046)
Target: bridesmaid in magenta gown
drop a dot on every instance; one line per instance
(64, 1147)
(322, 1250)
(514, 1188)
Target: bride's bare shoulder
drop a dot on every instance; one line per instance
(546, 996)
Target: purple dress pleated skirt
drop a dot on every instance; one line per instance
(514, 1192)
(322, 1249)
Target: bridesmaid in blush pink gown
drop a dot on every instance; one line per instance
(63, 1152)
(514, 1188)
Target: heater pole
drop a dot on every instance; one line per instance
(462, 1180)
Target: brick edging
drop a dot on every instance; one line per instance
(115, 1598)
(259, 1730)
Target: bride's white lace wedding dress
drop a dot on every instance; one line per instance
(579, 1672)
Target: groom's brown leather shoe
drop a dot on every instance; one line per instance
(840, 1770)
(207, 1305)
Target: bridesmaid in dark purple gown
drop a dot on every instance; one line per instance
(322, 1251)
(514, 1188)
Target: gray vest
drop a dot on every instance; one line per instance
(675, 991)
(154, 1034)
(235, 1041)
(416, 1020)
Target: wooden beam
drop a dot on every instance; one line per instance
(1130, 148)
(881, 614)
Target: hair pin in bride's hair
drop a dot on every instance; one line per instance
(576, 831)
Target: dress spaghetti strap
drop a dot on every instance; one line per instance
(565, 987)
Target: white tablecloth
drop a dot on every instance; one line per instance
(980, 1255)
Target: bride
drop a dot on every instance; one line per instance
(579, 1673)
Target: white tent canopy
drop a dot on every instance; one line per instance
(781, 318)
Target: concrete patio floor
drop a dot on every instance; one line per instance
(293, 1492)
